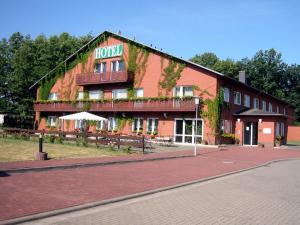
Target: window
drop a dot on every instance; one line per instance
(51, 121)
(270, 107)
(80, 95)
(137, 125)
(100, 67)
(152, 126)
(100, 125)
(256, 103)
(112, 123)
(282, 132)
(247, 101)
(183, 91)
(95, 94)
(226, 126)
(277, 109)
(53, 96)
(226, 95)
(117, 66)
(284, 111)
(119, 93)
(280, 129)
(79, 124)
(264, 106)
(139, 92)
(237, 98)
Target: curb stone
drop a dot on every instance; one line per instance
(128, 197)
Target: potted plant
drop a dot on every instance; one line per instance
(237, 141)
(278, 140)
(153, 135)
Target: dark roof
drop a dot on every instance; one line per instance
(257, 112)
(108, 33)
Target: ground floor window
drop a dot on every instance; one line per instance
(226, 126)
(112, 123)
(152, 125)
(137, 125)
(185, 131)
(79, 124)
(280, 129)
(100, 125)
(51, 121)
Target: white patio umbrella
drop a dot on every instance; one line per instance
(83, 116)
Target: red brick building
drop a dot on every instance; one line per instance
(143, 90)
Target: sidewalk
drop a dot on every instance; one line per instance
(31, 193)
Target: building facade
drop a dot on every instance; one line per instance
(144, 91)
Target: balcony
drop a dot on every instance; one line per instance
(102, 78)
(169, 105)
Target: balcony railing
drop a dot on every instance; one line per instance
(102, 78)
(169, 105)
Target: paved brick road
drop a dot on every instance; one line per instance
(30, 193)
(268, 195)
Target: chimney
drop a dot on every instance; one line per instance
(242, 76)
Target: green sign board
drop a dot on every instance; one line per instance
(109, 51)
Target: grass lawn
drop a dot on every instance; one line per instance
(20, 150)
(293, 143)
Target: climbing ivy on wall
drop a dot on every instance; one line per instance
(171, 75)
(214, 111)
(82, 57)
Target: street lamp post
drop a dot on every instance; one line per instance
(197, 100)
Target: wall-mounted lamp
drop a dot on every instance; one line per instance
(260, 120)
(239, 120)
(123, 114)
(165, 115)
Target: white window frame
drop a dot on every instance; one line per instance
(101, 67)
(224, 125)
(236, 94)
(139, 92)
(140, 124)
(247, 100)
(117, 65)
(255, 103)
(53, 96)
(270, 107)
(99, 94)
(264, 106)
(153, 128)
(193, 131)
(182, 92)
(52, 121)
(115, 93)
(226, 94)
(79, 124)
(80, 95)
(112, 123)
(100, 125)
(282, 129)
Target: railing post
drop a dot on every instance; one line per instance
(143, 143)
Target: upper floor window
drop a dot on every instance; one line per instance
(53, 96)
(80, 95)
(256, 103)
(226, 95)
(95, 94)
(264, 106)
(139, 92)
(270, 107)
(247, 101)
(100, 67)
(117, 66)
(183, 91)
(119, 93)
(277, 109)
(237, 98)
(284, 111)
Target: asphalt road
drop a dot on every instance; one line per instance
(268, 195)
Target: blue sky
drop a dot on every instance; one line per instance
(231, 29)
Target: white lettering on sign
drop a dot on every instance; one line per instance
(267, 130)
(109, 51)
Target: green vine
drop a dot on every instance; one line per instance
(86, 103)
(171, 75)
(214, 111)
(82, 57)
(122, 121)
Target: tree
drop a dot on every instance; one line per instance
(206, 59)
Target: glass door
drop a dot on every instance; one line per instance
(250, 133)
(185, 131)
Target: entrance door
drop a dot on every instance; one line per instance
(250, 133)
(185, 131)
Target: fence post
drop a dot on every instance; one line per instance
(119, 141)
(143, 143)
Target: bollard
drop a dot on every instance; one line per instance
(40, 155)
(40, 143)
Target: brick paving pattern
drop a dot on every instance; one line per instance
(268, 195)
(30, 193)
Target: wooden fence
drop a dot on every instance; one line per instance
(96, 138)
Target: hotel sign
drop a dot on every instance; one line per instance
(109, 51)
